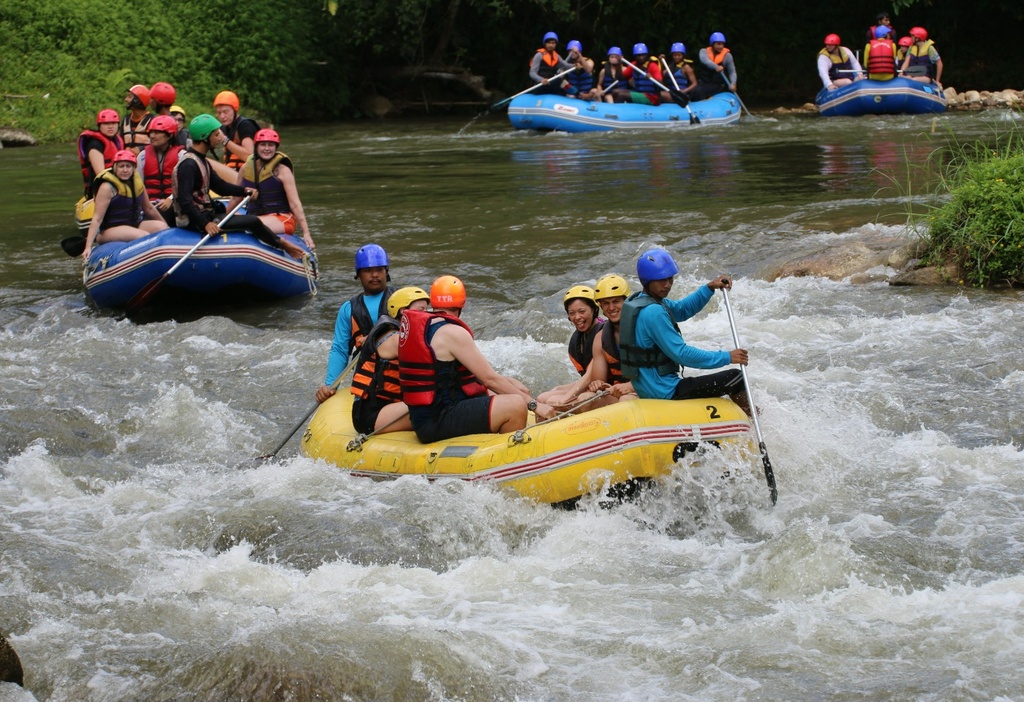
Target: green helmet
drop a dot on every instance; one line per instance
(202, 126)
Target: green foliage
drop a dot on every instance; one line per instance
(981, 226)
(72, 59)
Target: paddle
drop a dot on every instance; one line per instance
(305, 418)
(741, 103)
(664, 64)
(769, 474)
(501, 103)
(143, 295)
(677, 96)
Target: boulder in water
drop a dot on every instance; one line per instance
(12, 136)
(10, 665)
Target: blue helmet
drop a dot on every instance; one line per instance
(678, 48)
(655, 264)
(717, 36)
(371, 256)
(550, 35)
(640, 48)
(881, 31)
(615, 51)
(574, 44)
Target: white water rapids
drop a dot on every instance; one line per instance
(139, 562)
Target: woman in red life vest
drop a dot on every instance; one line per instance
(156, 164)
(270, 172)
(123, 210)
(96, 147)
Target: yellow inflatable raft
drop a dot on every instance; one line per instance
(552, 462)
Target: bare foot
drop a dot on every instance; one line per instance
(291, 248)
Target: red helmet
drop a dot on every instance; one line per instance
(226, 97)
(906, 42)
(164, 123)
(142, 93)
(124, 155)
(832, 40)
(447, 292)
(163, 94)
(266, 135)
(919, 33)
(108, 116)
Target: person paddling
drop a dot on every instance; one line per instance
(359, 313)
(837, 66)
(716, 70)
(653, 349)
(546, 64)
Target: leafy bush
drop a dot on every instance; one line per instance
(981, 226)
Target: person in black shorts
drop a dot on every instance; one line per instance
(446, 382)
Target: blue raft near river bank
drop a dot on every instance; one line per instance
(233, 266)
(899, 96)
(565, 114)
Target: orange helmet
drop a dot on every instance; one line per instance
(447, 292)
(163, 94)
(226, 97)
(142, 93)
(124, 155)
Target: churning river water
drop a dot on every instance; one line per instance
(138, 562)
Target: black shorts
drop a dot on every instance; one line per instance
(472, 416)
(364, 415)
(728, 382)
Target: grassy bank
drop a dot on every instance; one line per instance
(981, 226)
(61, 62)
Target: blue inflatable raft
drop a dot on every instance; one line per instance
(899, 96)
(565, 114)
(230, 267)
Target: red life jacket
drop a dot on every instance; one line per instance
(421, 375)
(156, 174)
(881, 59)
(377, 378)
(110, 147)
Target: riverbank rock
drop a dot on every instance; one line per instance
(12, 136)
(10, 665)
(867, 259)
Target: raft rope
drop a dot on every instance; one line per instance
(357, 443)
(520, 436)
(309, 266)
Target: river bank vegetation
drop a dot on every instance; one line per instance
(980, 227)
(301, 60)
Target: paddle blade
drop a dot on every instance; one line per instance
(769, 474)
(73, 246)
(142, 297)
(499, 106)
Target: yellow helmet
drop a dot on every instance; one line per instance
(403, 297)
(578, 291)
(611, 286)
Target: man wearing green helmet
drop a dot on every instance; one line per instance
(193, 178)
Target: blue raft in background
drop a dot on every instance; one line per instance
(230, 267)
(565, 114)
(899, 96)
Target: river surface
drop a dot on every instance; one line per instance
(138, 562)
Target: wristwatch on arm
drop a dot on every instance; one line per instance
(532, 405)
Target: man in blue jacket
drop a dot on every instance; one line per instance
(653, 349)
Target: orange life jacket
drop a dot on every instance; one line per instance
(376, 378)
